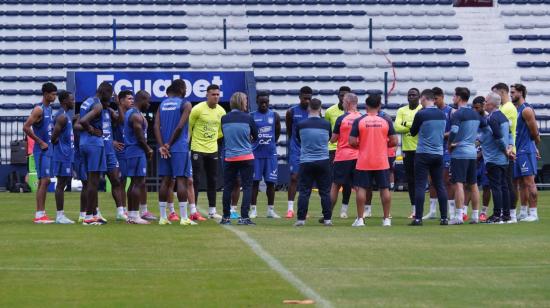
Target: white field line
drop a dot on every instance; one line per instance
(278, 267)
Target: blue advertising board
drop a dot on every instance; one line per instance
(84, 84)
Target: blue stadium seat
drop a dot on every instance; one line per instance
(430, 64)
(25, 106)
(524, 64)
(292, 78)
(339, 78)
(415, 64)
(8, 106)
(445, 63)
(396, 51)
(461, 64)
(327, 92)
(539, 64)
(399, 64)
(277, 78)
(520, 50)
(516, 37)
(324, 78)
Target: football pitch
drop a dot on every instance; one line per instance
(261, 266)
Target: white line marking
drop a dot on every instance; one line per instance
(279, 268)
(275, 265)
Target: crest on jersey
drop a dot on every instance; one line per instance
(270, 120)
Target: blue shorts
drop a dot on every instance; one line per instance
(136, 166)
(342, 172)
(178, 165)
(93, 158)
(42, 161)
(368, 178)
(121, 166)
(482, 178)
(294, 163)
(464, 171)
(112, 161)
(61, 168)
(525, 165)
(266, 168)
(78, 170)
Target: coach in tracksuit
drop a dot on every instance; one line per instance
(429, 124)
(313, 135)
(238, 129)
(496, 145)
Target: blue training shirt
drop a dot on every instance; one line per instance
(238, 127)
(118, 136)
(265, 146)
(85, 137)
(429, 124)
(298, 115)
(448, 111)
(464, 125)
(171, 110)
(64, 149)
(106, 124)
(524, 143)
(495, 138)
(313, 135)
(133, 149)
(43, 128)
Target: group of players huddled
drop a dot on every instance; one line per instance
(443, 147)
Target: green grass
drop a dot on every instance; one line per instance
(207, 265)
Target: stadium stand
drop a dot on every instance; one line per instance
(287, 43)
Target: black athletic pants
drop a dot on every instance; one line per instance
(510, 184)
(498, 181)
(310, 173)
(208, 161)
(408, 162)
(231, 172)
(429, 164)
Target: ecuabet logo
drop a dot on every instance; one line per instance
(157, 87)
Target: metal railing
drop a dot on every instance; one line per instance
(11, 129)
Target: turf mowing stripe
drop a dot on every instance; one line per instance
(279, 268)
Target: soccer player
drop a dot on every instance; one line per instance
(429, 124)
(238, 128)
(439, 101)
(496, 144)
(511, 113)
(109, 116)
(205, 129)
(125, 102)
(525, 168)
(345, 157)
(138, 153)
(372, 134)
(478, 104)
(63, 152)
(265, 153)
(331, 115)
(294, 116)
(172, 134)
(312, 136)
(79, 170)
(92, 148)
(38, 127)
(403, 122)
(464, 125)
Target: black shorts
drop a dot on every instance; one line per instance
(342, 172)
(368, 178)
(464, 171)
